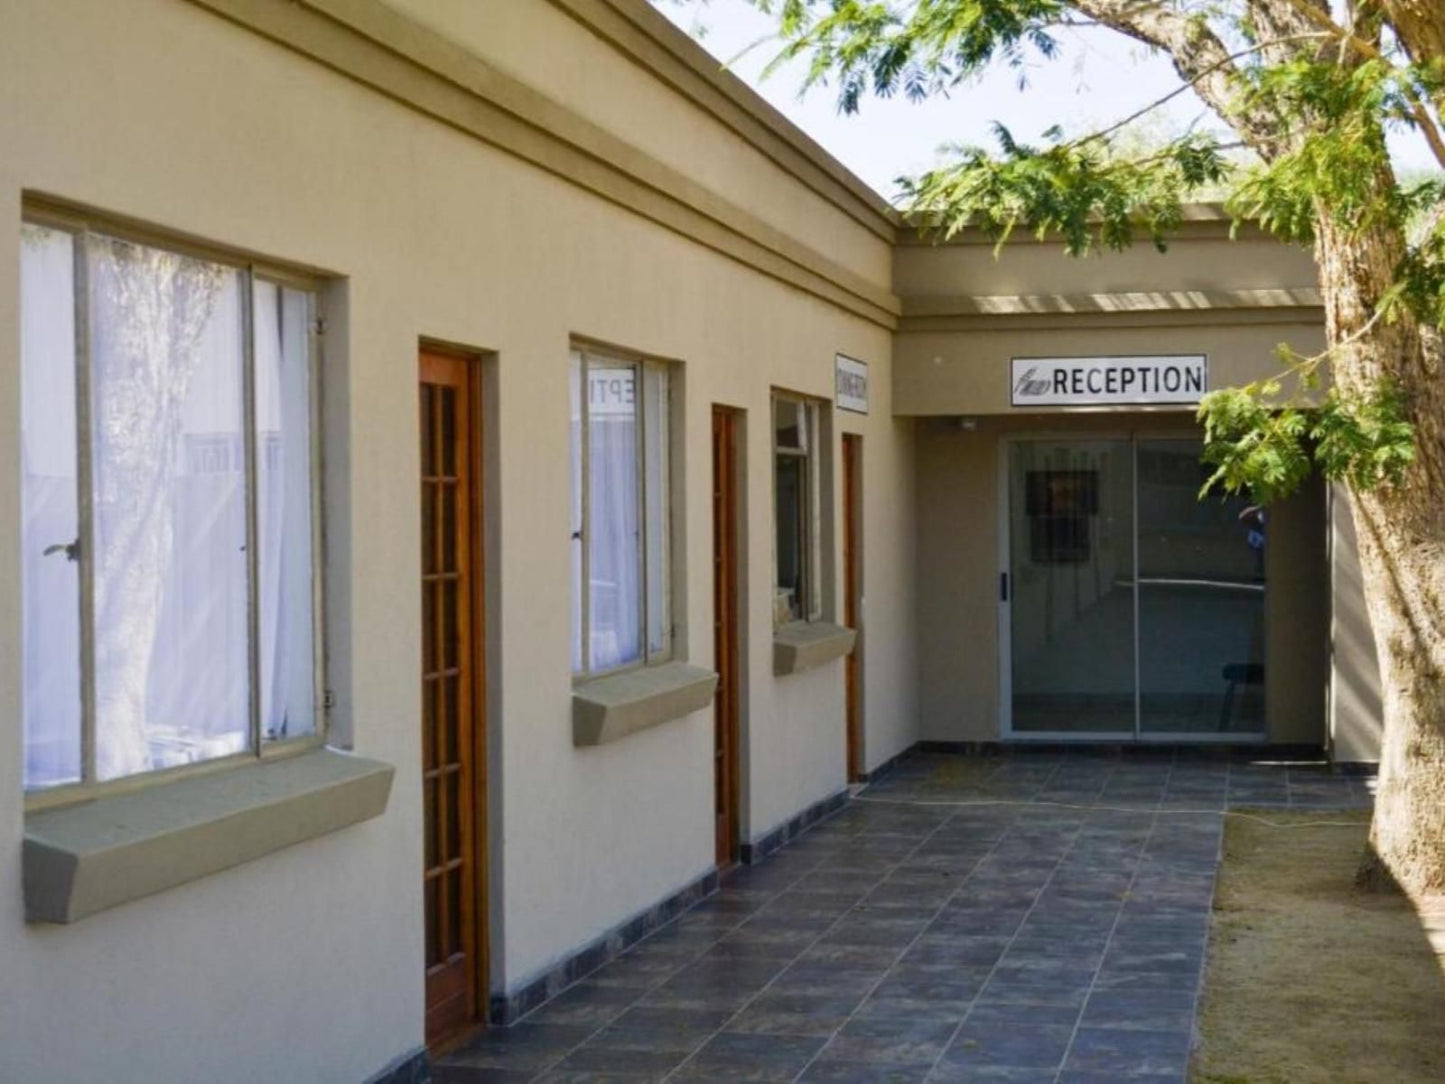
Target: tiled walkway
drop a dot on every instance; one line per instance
(1029, 918)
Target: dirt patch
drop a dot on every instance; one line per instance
(1308, 977)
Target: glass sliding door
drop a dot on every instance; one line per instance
(1133, 609)
(1201, 600)
(1069, 587)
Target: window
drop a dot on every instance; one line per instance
(797, 496)
(169, 598)
(620, 536)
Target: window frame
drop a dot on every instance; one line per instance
(80, 225)
(811, 558)
(586, 355)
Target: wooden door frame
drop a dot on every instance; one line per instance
(478, 937)
(853, 598)
(727, 714)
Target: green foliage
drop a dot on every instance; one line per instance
(1079, 191)
(1336, 162)
(922, 48)
(1259, 447)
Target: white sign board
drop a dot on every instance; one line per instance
(1108, 381)
(850, 384)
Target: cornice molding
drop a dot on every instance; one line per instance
(643, 34)
(1201, 222)
(1135, 301)
(381, 48)
(1101, 320)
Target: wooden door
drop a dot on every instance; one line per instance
(726, 767)
(853, 595)
(453, 736)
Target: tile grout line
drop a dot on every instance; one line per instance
(962, 884)
(1012, 938)
(811, 944)
(1113, 929)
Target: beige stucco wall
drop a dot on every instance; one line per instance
(542, 45)
(310, 961)
(959, 563)
(1297, 618)
(1356, 696)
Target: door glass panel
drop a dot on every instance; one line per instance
(1071, 542)
(1201, 599)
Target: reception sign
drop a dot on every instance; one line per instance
(1108, 381)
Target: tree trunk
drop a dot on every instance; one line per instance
(1402, 555)
(1420, 26)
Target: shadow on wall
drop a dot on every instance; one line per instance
(1356, 707)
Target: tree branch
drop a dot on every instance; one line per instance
(1199, 56)
(1189, 84)
(1418, 111)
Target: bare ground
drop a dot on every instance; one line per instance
(1310, 978)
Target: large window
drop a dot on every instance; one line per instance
(167, 461)
(620, 539)
(797, 552)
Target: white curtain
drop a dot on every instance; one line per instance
(283, 514)
(50, 606)
(614, 543)
(169, 509)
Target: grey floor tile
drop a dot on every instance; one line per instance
(651, 1028)
(522, 1046)
(827, 1070)
(1007, 1014)
(1129, 1051)
(892, 1040)
(1157, 1011)
(738, 1056)
(479, 1074)
(587, 1004)
(887, 1007)
(593, 1063)
(1022, 1046)
(989, 1074)
(794, 1014)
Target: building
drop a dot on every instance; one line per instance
(306, 772)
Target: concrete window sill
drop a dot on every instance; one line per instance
(613, 707)
(87, 857)
(803, 645)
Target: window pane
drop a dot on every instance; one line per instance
(574, 395)
(655, 469)
(283, 510)
(790, 428)
(169, 509)
(813, 529)
(614, 544)
(791, 521)
(50, 601)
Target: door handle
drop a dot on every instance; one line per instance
(1003, 586)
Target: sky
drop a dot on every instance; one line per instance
(1099, 77)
